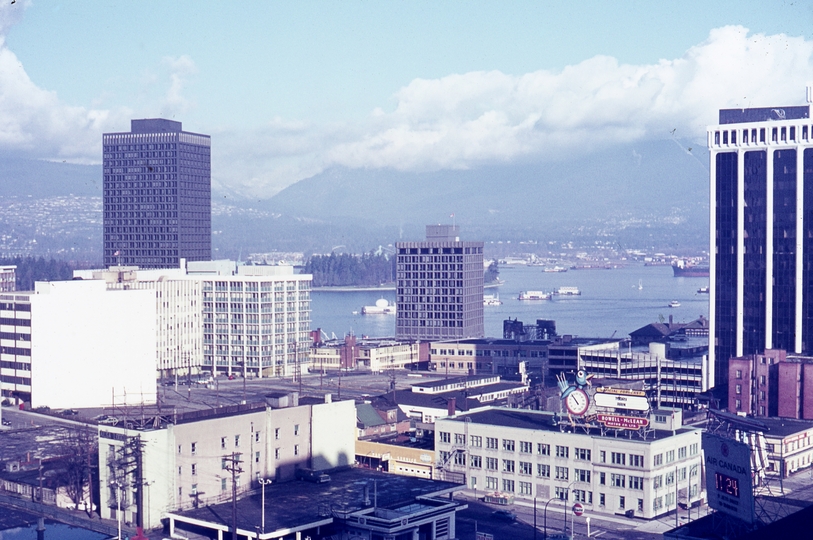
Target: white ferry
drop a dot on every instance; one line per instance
(674, 303)
(534, 295)
(568, 291)
(381, 307)
(491, 300)
(550, 269)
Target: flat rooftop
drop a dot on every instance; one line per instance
(548, 421)
(297, 505)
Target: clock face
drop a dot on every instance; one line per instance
(577, 402)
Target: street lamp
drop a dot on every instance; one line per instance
(545, 517)
(118, 486)
(263, 483)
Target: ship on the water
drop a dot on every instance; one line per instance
(534, 295)
(682, 268)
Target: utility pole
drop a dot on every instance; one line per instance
(234, 468)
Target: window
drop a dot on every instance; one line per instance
(669, 499)
(636, 460)
(194, 469)
(194, 447)
(582, 454)
(194, 490)
(602, 456)
(237, 440)
(602, 478)
(296, 429)
(562, 451)
(580, 495)
(657, 482)
(526, 468)
(543, 470)
(491, 443)
(682, 474)
(491, 483)
(476, 462)
(526, 447)
(693, 449)
(491, 463)
(601, 499)
(670, 478)
(223, 463)
(619, 458)
(180, 492)
(180, 471)
(670, 456)
(560, 493)
(256, 436)
(617, 480)
(276, 453)
(508, 445)
(459, 438)
(508, 465)
(459, 458)
(581, 475)
(637, 482)
(223, 443)
(476, 441)
(562, 473)
(222, 484)
(543, 449)
(508, 485)
(738, 389)
(622, 501)
(445, 437)
(641, 505)
(660, 418)
(739, 374)
(256, 457)
(658, 460)
(276, 434)
(682, 452)
(180, 449)
(525, 488)
(296, 449)
(657, 503)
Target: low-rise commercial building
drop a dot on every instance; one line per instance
(771, 384)
(528, 454)
(375, 355)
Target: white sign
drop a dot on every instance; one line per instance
(728, 477)
(617, 401)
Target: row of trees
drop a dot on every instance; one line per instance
(345, 270)
(31, 269)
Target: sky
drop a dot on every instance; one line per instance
(289, 89)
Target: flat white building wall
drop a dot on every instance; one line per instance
(333, 432)
(91, 347)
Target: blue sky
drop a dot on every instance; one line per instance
(288, 89)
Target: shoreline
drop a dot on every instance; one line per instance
(361, 288)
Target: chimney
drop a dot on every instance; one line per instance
(451, 406)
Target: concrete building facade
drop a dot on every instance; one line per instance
(439, 286)
(525, 454)
(761, 275)
(8, 278)
(187, 462)
(157, 195)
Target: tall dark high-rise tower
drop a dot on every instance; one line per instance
(157, 195)
(761, 179)
(439, 286)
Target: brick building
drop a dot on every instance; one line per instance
(771, 384)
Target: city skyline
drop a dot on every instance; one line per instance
(418, 87)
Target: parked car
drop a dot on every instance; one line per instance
(309, 475)
(6, 422)
(504, 515)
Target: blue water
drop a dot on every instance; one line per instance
(610, 302)
(53, 531)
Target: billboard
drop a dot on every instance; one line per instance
(728, 476)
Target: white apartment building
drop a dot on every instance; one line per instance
(219, 317)
(527, 454)
(187, 461)
(102, 341)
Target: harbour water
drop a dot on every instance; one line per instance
(611, 302)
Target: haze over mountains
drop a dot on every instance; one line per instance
(646, 195)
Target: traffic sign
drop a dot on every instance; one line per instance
(578, 509)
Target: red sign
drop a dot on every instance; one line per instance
(578, 509)
(622, 422)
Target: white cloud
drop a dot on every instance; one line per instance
(180, 69)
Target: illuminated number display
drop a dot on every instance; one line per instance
(728, 485)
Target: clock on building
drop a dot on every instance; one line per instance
(577, 402)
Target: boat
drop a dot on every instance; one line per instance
(640, 285)
(381, 307)
(491, 300)
(674, 303)
(682, 268)
(555, 269)
(703, 290)
(534, 295)
(568, 291)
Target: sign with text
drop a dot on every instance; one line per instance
(622, 422)
(620, 391)
(728, 476)
(621, 401)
